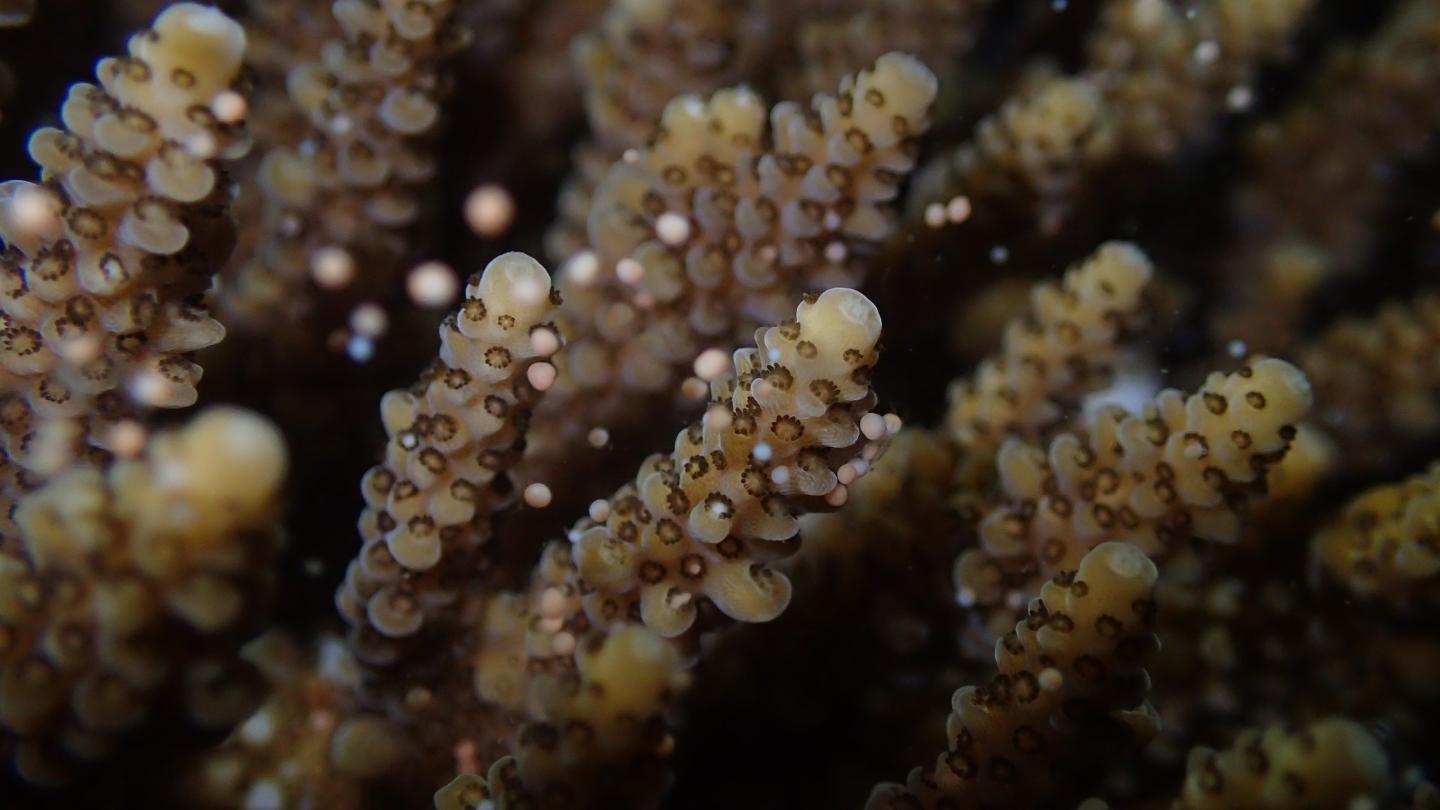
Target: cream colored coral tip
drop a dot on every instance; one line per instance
(515, 276)
(1124, 559)
(206, 22)
(538, 496)
(912, 69)
(857, 311)
(248, 442)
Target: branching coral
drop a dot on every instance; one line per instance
(372, 97)
(1385, 545)
(646, 53)
(1180, 470)
(134, 583)
(307, 744)
(1167, 70)
(105, 261)
(1332, 763)
(453, 436)
(836, 41)
(1034, 152)
(1065, 346)
(1376, 380)
(716, 228)
(1310, 213)
(695, 530)
(140, 566)
(1070, 692)
(1158, 76)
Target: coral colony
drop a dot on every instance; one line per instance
(884, 404)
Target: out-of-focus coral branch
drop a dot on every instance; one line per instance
(645, 53)
(1385, 546)
(1070, 693)
(107, 259)
(308, 745)
(1377, 380)
(1331, 764)
(134, 584)
(345, 190)
(1158, 76)
(1064, 347)
(833, 42)
(682, 549)
(1310, 211)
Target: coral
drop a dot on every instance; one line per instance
(107, 259)
(372, 98)
(1385, 545)
(1179, 470)
(717, 227)
(452, 437)
(307, 744)
(1079, 655)
(1376, 379)
(1063, 347)
(1332, 763)
(1158, 76)
(1311, 211)
(696, 528)
(837, 41)
(554, 601)
(1166, 71)
(1035, 151)
(134, 583)
(645, 53)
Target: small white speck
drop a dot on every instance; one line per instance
(538, 496)
(711, 364)
(432, 284)
(583, 268)
(369, 319)
(999, 254)
(1237, 348)
(672, 228)
(489, 210)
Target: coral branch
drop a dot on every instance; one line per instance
(1176, 472)
(107, 259)
(711, 230)
(1065, 346)
(453, 436)
(1070, 693)
(1385, 545)
(1332, 764)
(694, 531)
(355, 179)
(135, 583)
